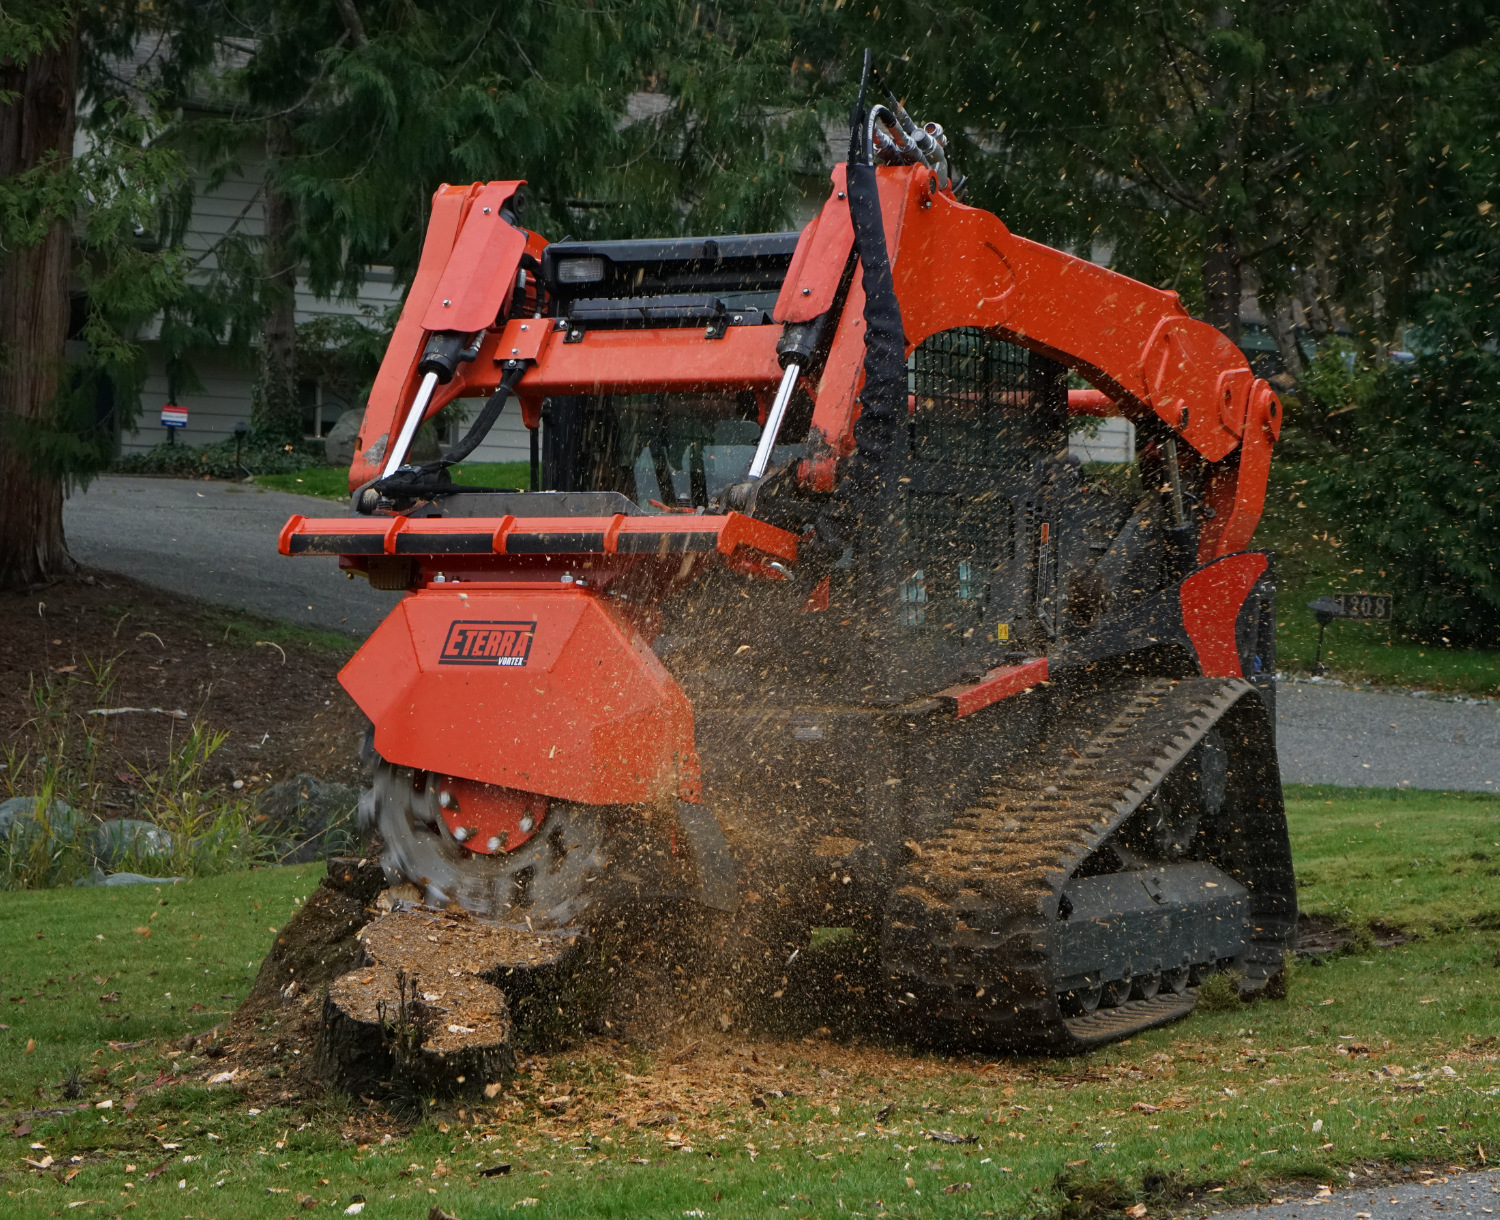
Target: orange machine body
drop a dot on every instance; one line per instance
(533, 687)
(523, 660)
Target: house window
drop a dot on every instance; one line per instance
(968, 582)
(321, 409)
(913, 592)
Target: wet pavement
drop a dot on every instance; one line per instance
(217, 541)
(1329, 735)
(1475, 1195)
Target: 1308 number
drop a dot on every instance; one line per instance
(1373, 606)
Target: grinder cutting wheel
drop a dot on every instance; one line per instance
(806, 596)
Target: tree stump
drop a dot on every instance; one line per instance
(424, 1012)
(320, 942)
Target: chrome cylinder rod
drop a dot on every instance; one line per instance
(774, 418)
(409, 427)
(1176, 482)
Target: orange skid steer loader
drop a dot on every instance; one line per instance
(808, 597)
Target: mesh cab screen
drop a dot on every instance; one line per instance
(983, 412)
(973, 398)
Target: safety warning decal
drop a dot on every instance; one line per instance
(487, 643)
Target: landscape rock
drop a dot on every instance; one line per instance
(425, 446)
(127, 838)
(99, 877)
(18, 819)
(311, 818)
(338, 445)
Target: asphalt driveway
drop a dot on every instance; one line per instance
(1329, 735)
(1441, 1196)
(217, 541)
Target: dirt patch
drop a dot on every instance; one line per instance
(1388, 936)
(698, 1087)
(279, 700)
(268, 1048)
(1317, 935)
(674, 972)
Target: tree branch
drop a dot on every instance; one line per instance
(1298, 231)
(1176, 67)
(1171, 189)
(1281, 162)
(350, 17)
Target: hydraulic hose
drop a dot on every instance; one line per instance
(883, 398)
(485, 420)
(414, 481)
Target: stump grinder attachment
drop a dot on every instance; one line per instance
(807, 603)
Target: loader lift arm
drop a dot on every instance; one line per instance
(953, 266)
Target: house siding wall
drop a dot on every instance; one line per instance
(230, 210)
(1112, 441)
(233, 209)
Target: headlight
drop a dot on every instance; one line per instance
(580, 270)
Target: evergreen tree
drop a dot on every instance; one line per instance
(364, 110)
(1188, 143)
(51, 432)
(415, 95)
(1412, 485)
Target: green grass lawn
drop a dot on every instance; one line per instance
(1425, 862)
(179, 958)
(332, 482)
(1378, 1056)
(1312, 562)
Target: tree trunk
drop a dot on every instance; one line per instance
(36, 125)
(1315, 288)
(1284, 331)
(275, 409)
(1221, 281)
(1221, 251)
(432, 1003)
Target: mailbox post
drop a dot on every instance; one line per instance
(1326, 610)
(173, 417)
(241, 431)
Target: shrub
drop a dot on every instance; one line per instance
(51, 831)
(258, 454)
(207, 830)
(1219, 992)
(1416, 494)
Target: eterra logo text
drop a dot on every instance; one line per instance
(487, 643)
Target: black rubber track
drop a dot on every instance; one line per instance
(968, 943)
